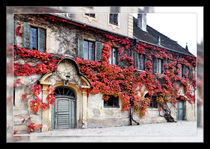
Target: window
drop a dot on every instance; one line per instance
(89, 50)
(90, 15)
(157, 65)
(154, 64)
(33, 38)
(113, 16)
(114, 56)
(142, 62)
(113, 19)
(164, 61)
(159, 68)
(136, 59)
(181, 70)
(153, 103)
(112, 102)
(37, 38)
(186, 70)
(139, 60)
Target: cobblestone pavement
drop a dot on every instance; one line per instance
(182, 131)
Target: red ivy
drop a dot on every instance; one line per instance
(18, 30)
(111, 79)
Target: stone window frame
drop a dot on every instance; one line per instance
(113, 26)
(89, 18)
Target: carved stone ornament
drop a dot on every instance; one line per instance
(67, 72)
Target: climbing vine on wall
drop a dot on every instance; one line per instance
(110, 79)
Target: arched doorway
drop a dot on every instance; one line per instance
(64, 110)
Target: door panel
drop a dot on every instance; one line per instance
(64, 113)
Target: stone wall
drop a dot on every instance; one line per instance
(21, 109)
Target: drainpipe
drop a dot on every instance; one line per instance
(130, 113)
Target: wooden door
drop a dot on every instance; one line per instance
(64, 111)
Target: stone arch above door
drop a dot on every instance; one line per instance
(67, 69)
(76, 80)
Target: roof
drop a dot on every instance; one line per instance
(151, 36)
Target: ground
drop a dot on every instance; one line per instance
(182, 131)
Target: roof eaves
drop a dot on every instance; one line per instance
(103, 30)
(160, 46)
(82, 23)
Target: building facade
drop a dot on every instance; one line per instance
(65, 78)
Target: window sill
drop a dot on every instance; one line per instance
(110, 107)
(113, 26)
(152, 109)
(140, 70)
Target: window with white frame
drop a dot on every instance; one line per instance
(113, 16)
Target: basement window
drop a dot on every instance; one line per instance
(153, 103)
(112, 102)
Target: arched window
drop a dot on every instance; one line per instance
(64, 91)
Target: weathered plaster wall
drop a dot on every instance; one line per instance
(62, 40)
(101, 20)
(100, 116)
(190, 113)
(21, 109)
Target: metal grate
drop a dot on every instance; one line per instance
(64, 91)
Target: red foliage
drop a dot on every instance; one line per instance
(111, 79)
(32, 127)
(18, 30)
